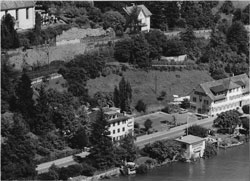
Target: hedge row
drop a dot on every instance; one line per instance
(64, 173)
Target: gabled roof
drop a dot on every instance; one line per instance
(213, 87)
(190, 139)
(145, 10)
(8, 5)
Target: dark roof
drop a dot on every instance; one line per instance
(8, 5)
(145, 10)
(212, 87)
(218, 88)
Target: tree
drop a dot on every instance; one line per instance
(162, 150)
(18, 153)
(128, 145)
(148, 124)
(24, 97)
(125, 95)
(132, 20)
(122, 50)
(227, 7)
(116, 97)
(140, 51)
(104, 99)
(9, 36)
(114, 20)
(43, 123)
(80, 139)
(156, 39)
(174, 47)
(101, 153)
(197, 130)
(246, 109)
(228, 120)
(237, 38)
(8, 80)
(141, 106)
(185, 104)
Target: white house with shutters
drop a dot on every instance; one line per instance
(22, 11)
(221, 95)
(120, 124)
(143, 15)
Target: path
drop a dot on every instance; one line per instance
(66, 161)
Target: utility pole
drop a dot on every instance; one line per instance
(155, 84)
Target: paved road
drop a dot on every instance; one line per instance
(41, 168)
(140, 142)
(172, 133)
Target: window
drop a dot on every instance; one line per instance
(194, 99)
(113, 138)
(118, 130)
(6, 12)
(123, 129)
(118, 122)
(27, 13)
(17, 14)
(113, 131)
(113, 124)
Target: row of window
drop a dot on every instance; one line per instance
(118, 130)
(229, 106)
(17, 13)
(118, 123)
(118, 138)
(205, 101)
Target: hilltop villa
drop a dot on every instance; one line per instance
(221, 95)
(143, 15)
(22, 11)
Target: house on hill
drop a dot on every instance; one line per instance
(22, 11)
(221, 95)
(143, 15)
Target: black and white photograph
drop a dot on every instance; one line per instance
(125, 90)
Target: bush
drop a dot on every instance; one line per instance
(197, 130)
(210, 150)
(141, 106)
(246, 109)
(70, 171)
(87, 170)
(142, 169)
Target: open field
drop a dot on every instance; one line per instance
(144, 83)
(158, 119)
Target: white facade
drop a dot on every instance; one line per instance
(145, 21)
(194, 146)
(120, 124)
(231, 97)
(25, 17)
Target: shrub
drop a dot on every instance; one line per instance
(87, 170)
(148, 124)
(246, 109)
(70, 171)
(141, 106)
(210, 150)
(142, 169)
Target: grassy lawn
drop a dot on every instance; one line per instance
(158, 120)
(143, 84)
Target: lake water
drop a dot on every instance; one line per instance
(229, 165)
